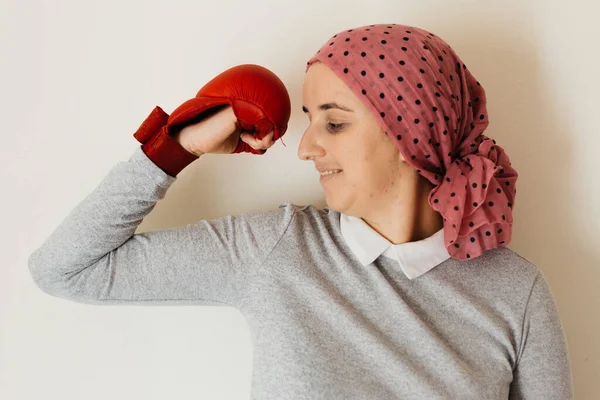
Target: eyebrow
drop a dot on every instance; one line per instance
(327, 106)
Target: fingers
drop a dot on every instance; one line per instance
(251, 140)
(257, 144)
(267, 141)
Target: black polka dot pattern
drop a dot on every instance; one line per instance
(434, 109)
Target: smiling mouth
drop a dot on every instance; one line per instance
(331, 173)
(328, 176)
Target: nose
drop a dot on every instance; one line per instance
(309, 148)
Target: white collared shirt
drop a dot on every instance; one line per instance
(414, 258)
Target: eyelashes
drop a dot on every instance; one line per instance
(335, 127)
(331, 127)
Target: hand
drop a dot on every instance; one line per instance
(218, 133)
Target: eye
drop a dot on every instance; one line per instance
(335, 127)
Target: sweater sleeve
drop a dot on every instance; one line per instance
(94, 257)
(543, 370)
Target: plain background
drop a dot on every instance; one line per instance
(78, 77)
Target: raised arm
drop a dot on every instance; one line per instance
(94, 255)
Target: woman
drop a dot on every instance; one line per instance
(402, 288)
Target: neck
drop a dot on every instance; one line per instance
(411, 218)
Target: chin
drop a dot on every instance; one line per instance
(331, 204)
(335, 203)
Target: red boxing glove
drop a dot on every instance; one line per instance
(256, 95)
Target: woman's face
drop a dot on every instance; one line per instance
(350, 140)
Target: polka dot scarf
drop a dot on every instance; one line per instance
(428, 102)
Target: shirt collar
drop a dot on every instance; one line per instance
(414, 258)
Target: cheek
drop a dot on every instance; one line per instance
(381, 173)
(367, 158)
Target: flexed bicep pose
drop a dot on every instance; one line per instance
(403, 287)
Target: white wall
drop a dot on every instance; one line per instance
(78, 77)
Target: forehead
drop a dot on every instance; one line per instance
(322, 84)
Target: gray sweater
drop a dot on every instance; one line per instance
(322, 325)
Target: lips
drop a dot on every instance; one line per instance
(330, 172)
(328, 176)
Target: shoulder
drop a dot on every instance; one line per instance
(310, 212)
(501, 270)
(313, 224)
(278, 220)
(509, 259)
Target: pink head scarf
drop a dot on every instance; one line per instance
(434, 109)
